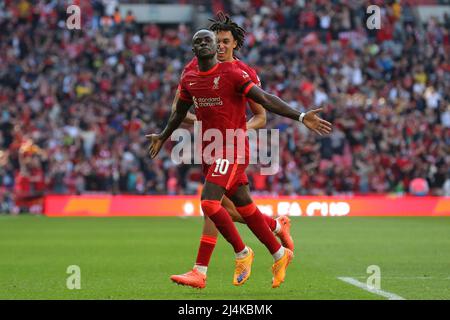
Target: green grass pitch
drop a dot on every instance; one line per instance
(132, 258)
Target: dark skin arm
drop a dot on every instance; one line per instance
(176, 118)
(268, 101)
(190, 118)
(274, 104)
(258, 120)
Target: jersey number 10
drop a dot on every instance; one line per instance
(222, 166)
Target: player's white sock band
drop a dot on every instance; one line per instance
(242, 254)
(278, 227)
(279, 254)
(201, 269)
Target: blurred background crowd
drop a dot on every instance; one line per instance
(76, 104)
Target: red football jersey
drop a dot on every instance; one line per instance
(193, 66)
(219, 99)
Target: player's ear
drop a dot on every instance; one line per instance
(234, 44)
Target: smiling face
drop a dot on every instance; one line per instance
(204, 44)
(226, 44)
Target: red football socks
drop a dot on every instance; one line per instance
(223, 223)
(258, 224)
(271, 222)
(205, 250)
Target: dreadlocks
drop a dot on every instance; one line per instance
(224, 23)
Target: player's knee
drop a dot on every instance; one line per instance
(235, 216)
(247, 210)
(241, 196)
(210, 207)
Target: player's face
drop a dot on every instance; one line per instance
(204, 44)
(226, 44)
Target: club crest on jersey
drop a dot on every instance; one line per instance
(216, 83)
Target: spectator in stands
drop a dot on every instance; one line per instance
(86, 98)
(419, 187)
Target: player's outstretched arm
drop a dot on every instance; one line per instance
(274, 104)
(190, 118)
(157, 140)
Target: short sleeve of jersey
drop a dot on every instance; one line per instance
(184, 93)
(258, 81)
(254, 76)
(251, 72)
(242, 81)
(190, 66)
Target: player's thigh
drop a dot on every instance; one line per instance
(212, 191)
(242, 196)
(218, 177)
(231, 208)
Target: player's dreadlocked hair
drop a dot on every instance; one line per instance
(224, 23)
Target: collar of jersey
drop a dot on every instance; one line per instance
(205, 73)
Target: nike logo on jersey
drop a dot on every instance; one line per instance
(192, 83)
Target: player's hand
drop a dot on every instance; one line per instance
(314, 123)
(155, 144)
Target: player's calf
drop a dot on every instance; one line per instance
(223, 223)
(255, 221)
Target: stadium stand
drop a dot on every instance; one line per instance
(75, 105)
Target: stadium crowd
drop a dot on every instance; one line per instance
(76, 104)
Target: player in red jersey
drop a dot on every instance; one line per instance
(230, 37)
(218, 92)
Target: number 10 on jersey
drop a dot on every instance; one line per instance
(222, 166)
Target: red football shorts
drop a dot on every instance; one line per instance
(227, 175)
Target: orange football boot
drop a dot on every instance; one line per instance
(285, 232)
(279, 268)
(193, 278)
(243, 269)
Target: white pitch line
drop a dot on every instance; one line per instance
(356, 283)
(407, 278)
